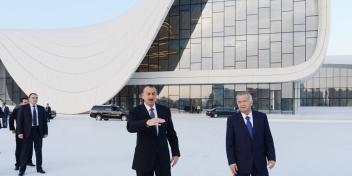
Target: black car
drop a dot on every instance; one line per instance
(52, 114)
(107, 112)
(220, 111)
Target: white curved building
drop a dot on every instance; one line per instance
(68, 67)
(198, 52)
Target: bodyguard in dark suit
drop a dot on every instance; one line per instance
(32, 128)
(1, 115)
(154, 128)
(12, 119)
(249, 144)
(6, 111)
(48, 111)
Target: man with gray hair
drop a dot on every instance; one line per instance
(249, 144)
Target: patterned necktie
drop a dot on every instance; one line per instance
(34, 117)
(152, 115)
(249, 127)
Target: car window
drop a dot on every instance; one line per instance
(114, 108)
(219, 109)
(229, 109)
(98, 108)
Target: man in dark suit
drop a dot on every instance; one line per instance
(32, 127)
(5, 114)
(153, 125)
(12, 119)
(1, 115)
(249, 144)
(48, 111)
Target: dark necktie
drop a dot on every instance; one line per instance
(34, 117)
(249, 127)
(152, 115)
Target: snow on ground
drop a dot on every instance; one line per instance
(78, 145)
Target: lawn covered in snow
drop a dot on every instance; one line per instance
(78, 145)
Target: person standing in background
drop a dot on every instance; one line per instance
(18, 150)
(5, 113)
(48, 111)
(32, 127)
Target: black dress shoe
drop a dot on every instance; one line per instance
(21, 174)
(41, 171)
(30, 164)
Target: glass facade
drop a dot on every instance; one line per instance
(234, 34)
(230, 34)
(330, 86)
(270, 98)
(9, 90)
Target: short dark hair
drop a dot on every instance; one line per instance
(32, 94)
(148, 85)
(23, 98)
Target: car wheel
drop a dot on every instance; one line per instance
(98, 117)
(123, 118)
(215, 115)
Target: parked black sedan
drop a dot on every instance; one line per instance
(107, 112)
(220, 111)
(52, 114)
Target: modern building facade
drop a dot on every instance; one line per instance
(330, 86)
(200, 39)
(198, 52)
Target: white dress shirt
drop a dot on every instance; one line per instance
(250, 115)
(155, 114)
(154, 109)
(36, 109)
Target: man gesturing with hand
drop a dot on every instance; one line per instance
(153, 125)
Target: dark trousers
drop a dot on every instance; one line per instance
(4, 122)
(26, 148)
(19, 150)
(254, 172)
(158, 170)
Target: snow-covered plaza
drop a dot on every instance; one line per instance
(79, 145)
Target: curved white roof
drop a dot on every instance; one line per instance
(75, 68)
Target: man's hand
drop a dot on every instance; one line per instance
(271, 164)
(233, 168)
(45, 135)
(20, 136)
(155, 121)
(13, 131)
(174, 160)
